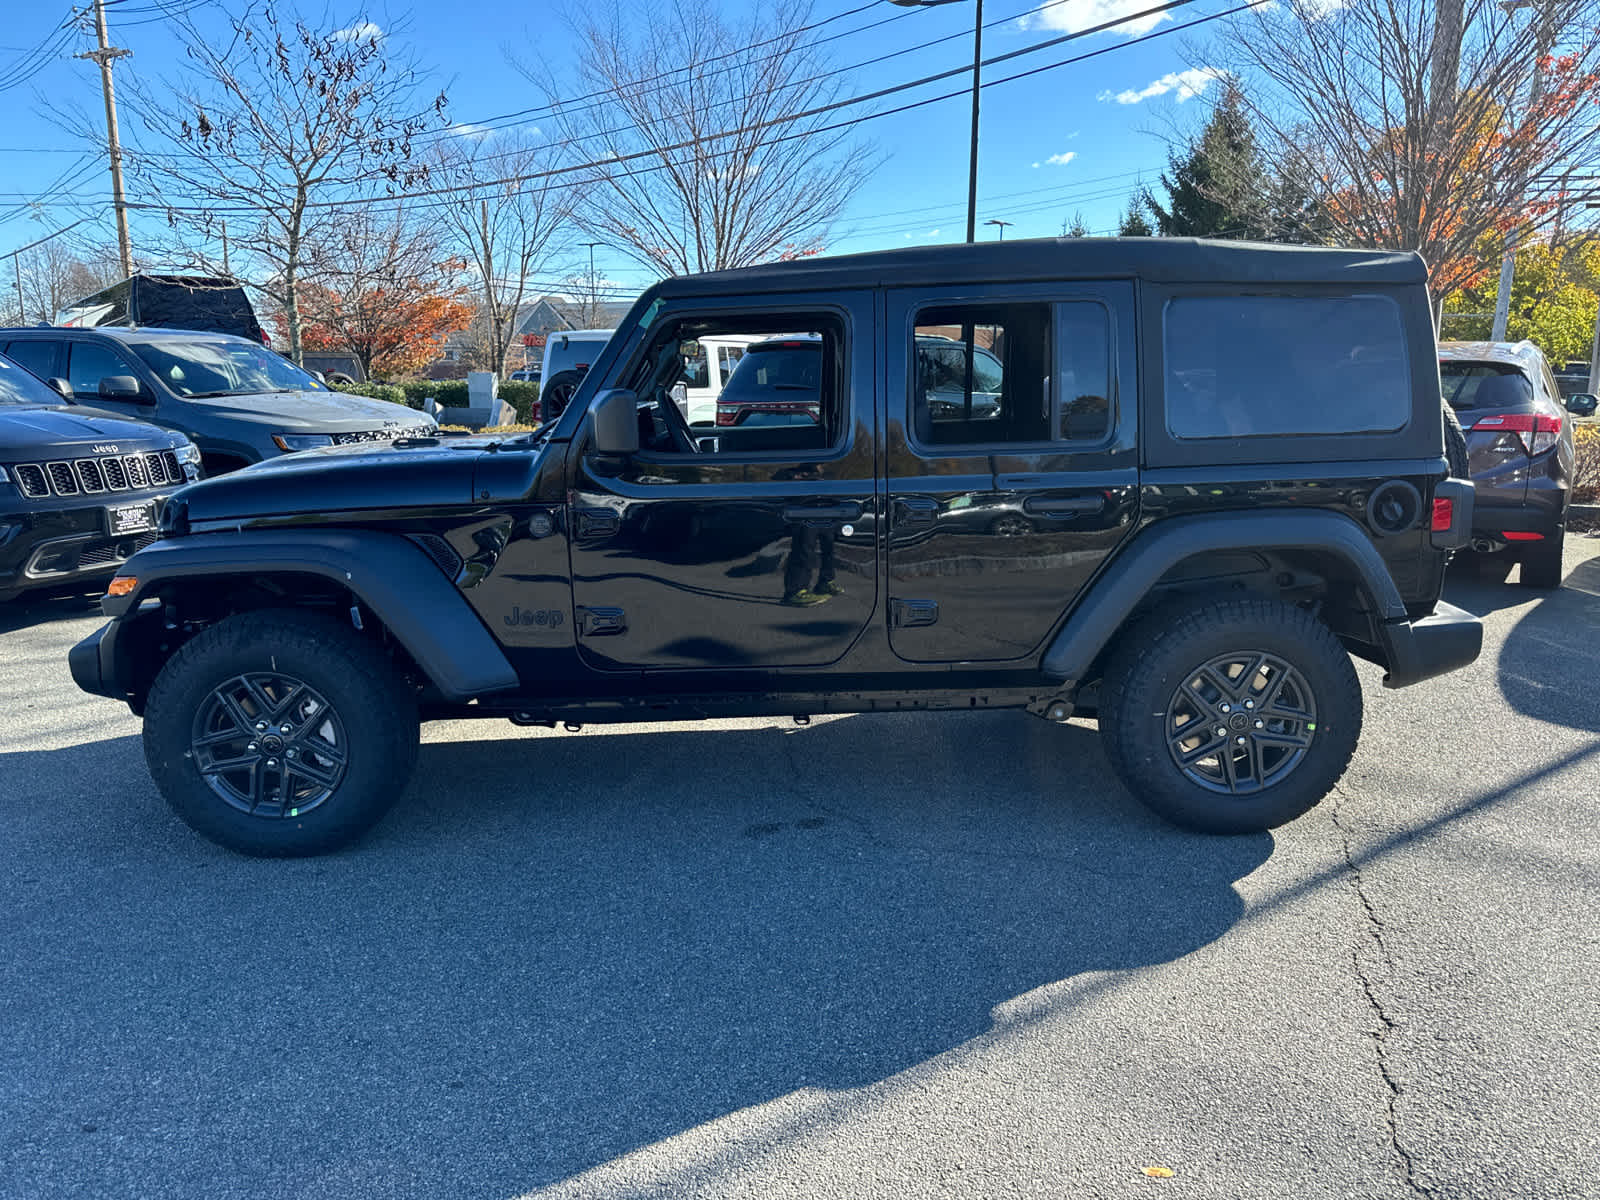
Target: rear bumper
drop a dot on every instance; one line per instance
(1447, 639)
(1543, 516)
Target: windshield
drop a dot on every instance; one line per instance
(20, 389)
(201, 367)
(1497, 386)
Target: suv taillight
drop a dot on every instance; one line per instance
(727, 414)
(1536, 431)
(1444, 514)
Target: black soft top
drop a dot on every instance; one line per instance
(1031, 260)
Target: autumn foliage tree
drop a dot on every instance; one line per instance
(1411, 132)
(384, 292)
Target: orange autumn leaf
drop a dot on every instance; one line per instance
(1159, 1172)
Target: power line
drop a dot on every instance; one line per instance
(786, 119)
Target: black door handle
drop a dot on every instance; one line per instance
(1047, 506)
(822, 512)
(915, 510)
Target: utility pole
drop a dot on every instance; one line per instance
(1002, 224)
(22, 309)
(105, 55)
(594, 288)
(1544, 39)
(226, 270)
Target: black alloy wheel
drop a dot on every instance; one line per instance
(281, 732)
(270, 745)
(1231, 714)
(1241, 723)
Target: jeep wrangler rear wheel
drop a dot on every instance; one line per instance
(280, 733)
(1233, 716)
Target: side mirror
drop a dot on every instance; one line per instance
(60, 387)
(122, 387)
(1582, 404)
(615, 418)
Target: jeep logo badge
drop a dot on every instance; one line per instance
(104, 450)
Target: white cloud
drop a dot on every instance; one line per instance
(1074, 16)
(1188, 85)
(360, 31)
(471, 132)
(1061, 160)
(932, 233)
(1035, 166)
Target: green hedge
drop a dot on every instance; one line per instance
(450, 393)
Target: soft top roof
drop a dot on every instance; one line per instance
(1029, 260)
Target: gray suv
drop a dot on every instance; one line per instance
(237, 400)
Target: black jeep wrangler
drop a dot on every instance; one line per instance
(1193, 479)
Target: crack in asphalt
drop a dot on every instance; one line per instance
(1386, 1023)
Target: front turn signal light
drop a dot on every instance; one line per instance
(122, 585)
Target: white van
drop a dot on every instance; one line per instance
(705, 375)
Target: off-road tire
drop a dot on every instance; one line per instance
(374, 706)
(555, 395)
(1455, 445)
(1149, 666)
(1541, 565)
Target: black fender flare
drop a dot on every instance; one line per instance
(1153, 552)
(389, 574)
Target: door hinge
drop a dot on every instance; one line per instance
(599, 622)
(597, 522)
(909, 614)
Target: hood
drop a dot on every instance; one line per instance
(29, 433)
(314, 412)
(313, 483)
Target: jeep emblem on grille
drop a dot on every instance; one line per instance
(104, 450)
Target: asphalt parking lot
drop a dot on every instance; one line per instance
(874, 956)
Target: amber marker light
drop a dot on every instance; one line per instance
(122, 585)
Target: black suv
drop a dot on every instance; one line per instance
(1230, 458)
(1519, 451)
(234, 398)
(80, 490)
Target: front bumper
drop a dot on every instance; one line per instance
(1445, 640)
(65, 546)
(92, 661)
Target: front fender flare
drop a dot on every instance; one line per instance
(1155, 551)
(390, 575)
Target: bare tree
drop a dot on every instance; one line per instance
(1424, 130)
(712, 202)
(54, 274)
(261, 128)
(507, 233)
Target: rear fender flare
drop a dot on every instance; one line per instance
(1129, 578)
(387, 573)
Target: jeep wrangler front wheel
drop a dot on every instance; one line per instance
(1233, 716)
(280, 733)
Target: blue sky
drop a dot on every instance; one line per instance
(1074, 139)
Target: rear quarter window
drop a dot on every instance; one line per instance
(1284, 366)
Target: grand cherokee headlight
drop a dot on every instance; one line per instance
(188, 453)
(290, 442)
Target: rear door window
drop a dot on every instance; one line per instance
(35, 354)
(1285, 366)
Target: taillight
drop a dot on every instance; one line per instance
(1444, 513)
(1536, 431)
(727, 414)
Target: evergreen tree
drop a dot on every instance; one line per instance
(1218, 186)
(1134, 223)
(1076, 228)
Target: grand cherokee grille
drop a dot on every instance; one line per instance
(96, 476)
(384, 435)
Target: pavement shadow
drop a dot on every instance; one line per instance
(41, 608)
(1557, 641)
(558, 948)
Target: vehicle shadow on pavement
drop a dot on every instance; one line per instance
(32, 609)
(1557, 640)
(558, 948)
